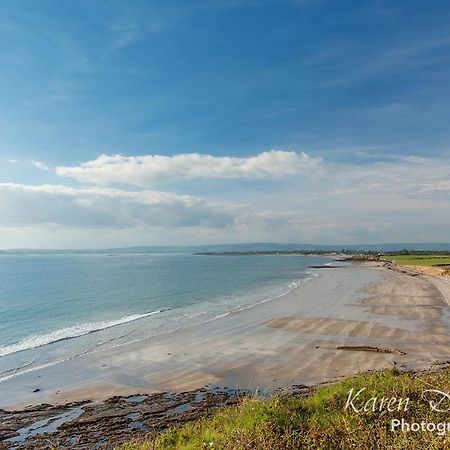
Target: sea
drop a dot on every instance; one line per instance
(57, 307)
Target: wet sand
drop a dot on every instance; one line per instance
(350, 319)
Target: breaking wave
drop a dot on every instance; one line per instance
(68, 333)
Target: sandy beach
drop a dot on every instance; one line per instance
(349, 319)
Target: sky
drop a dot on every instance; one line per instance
(223, 121)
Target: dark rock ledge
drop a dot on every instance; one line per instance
(88, 425)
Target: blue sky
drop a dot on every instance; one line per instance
(362, 88)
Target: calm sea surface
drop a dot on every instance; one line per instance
(54, 307)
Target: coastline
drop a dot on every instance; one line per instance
(351, 319)
(434, 275)
(209, 353)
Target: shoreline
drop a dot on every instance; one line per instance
(263, 319)
(354, 319)
(435, 276)
(176, 352)
(33, 348)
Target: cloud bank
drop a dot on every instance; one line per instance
(145, 171)
(402, 199)
(106, 207)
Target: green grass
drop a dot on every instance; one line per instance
(317, 421)
(420, 260)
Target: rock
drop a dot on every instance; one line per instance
(112, 422)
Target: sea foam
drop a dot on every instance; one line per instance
(68, 333)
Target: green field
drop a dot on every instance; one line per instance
(319, 420)
(420, 260)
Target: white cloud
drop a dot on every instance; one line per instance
(40, 165)
(403, 199)
(110, 208)
(147, 170)
(408, 177)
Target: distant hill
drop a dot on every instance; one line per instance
(250, 247)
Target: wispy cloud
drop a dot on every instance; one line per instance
(40, 165)
(400, 58)
(135, 23)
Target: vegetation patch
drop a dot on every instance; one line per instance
(420, 260)
(324, 419)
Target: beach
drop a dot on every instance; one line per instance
(292, 339)
(349, 319)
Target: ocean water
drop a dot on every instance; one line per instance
(57, 307)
